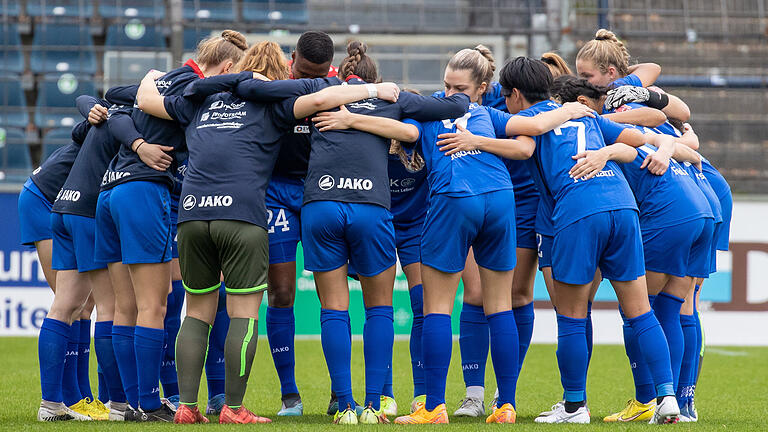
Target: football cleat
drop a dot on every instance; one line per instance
(422, 416)
(553, 408)
(240, 416)
(189, 415)
(174, 400)
(418, 402)
(163, 414)
(214, 404)
(346, 417)
(57, 411)
(560, 415)
(371, 416)
(388, 405)
(666, 412)
(98, 410)
(634, 411)
(291, 406)
(470, 407)
(504, 414)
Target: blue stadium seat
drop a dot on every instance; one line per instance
(192, 36)
(55, 139)
(11, 59)
(134, 34)
(278, 11)
(13, 105)
(64, 8)
(62, 48)
(56, 96)
(10, 8)
(209, 10)
(146, 9)
(15, 160)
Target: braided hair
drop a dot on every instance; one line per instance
(358, 63)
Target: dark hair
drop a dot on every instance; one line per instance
(358, 63)
(566, 88)
(677, 124)
(530, 76)
(315, 46)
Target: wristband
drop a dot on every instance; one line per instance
(657, 100)
(372, 91)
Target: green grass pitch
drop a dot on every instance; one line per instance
(732, 392)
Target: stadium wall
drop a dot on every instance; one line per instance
(734, 301)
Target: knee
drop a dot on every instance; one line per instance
(153, 310)
(281, 295)
(521, 299)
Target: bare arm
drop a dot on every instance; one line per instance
(334, 96)
(149, 99)
(643, 116)
(677, 109)
(689, 137)
(647, 72)
(520, 148)
(592, 162)
(381, 126)
(683, 153)
(545, 122)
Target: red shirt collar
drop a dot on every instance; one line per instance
(191, 63)
(349, 77)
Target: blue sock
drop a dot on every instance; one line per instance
(103, 388)
(125, 354)
(653, 344)
(51, 350)
(572, 356)
(589, 338)
(474, 338)
(214, 362)
(437, 344)
(687, 368)
(524, 320)
(337, 348)
(148, 343)
(505, 348)
(700, 332)
(417, 354)
(83, 359)
(378, 337)
(171, 326)
(667, 311)
(70, 389)
(281, 329)
(107, 361)
(644, 389)
(387, 389)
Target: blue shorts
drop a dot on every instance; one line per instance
(609, 240)
(723, 233)
(486, 222)
(333, 233)
(526, 205)
(544, 246)
(34, 215)
(133, 223)
(408, 242)
(73, 240)
(716, 232)
(283, 199)
(679, 250)
(174, 232)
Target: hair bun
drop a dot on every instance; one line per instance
(356, 48)
(486, 52)
(608, 35)
(235, 38)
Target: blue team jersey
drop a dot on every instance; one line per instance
(666, 200)
(409, 191)
(716, 180)
(575, 198)
(518, 173)
(466, 173)
(706, 188)
(631, 79)
(51, 175)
